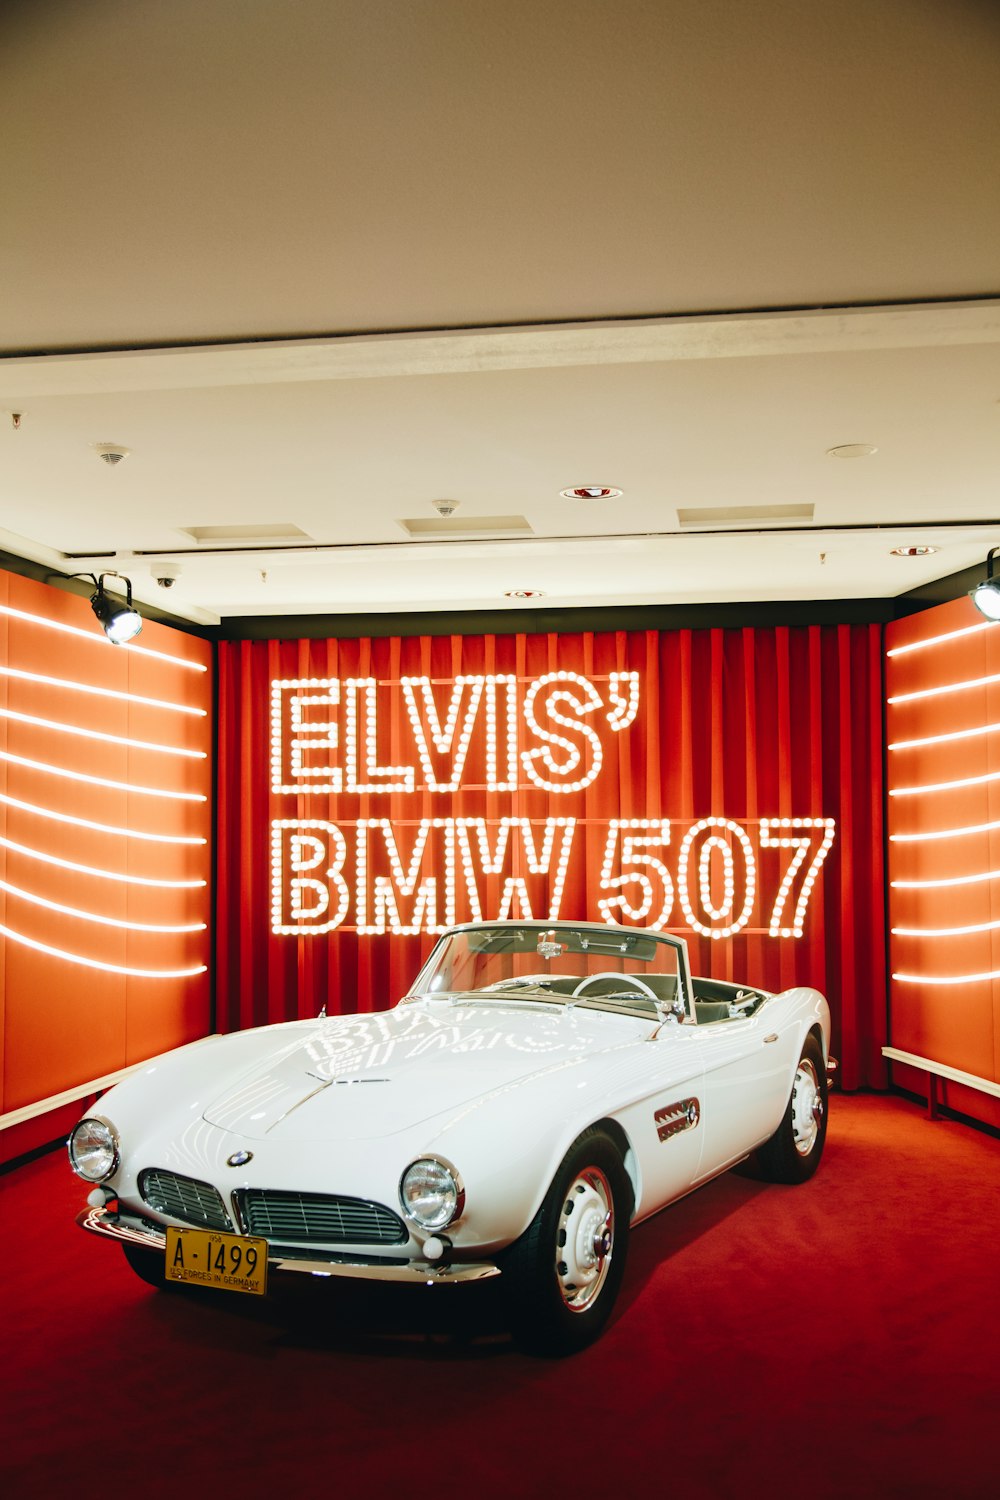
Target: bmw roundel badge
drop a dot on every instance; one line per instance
(239, 1158)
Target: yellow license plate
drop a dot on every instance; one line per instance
(207, 1257)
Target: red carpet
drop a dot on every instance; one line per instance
(836, 1339)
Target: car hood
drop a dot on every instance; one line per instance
(359, 1077)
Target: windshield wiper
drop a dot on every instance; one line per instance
(613, 995)
(516, 984)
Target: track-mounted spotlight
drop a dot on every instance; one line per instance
(986, 595)
(120, 622)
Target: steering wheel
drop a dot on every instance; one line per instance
(640, 984)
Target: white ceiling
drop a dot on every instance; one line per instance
(318, 264)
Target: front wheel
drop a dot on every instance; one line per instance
(562, 1276)
(794, 1150)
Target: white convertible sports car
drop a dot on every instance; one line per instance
(540, 1089)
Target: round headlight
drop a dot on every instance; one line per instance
(93, 1150)
(431, 1193)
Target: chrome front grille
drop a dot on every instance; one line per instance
(320, 1217)
(184, 1198)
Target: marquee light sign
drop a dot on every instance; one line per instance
(474, 739)
(563, 759)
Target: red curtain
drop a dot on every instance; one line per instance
(751, 726)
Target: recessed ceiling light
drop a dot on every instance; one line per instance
(852, 450)
(912, 551)
(524, 594)
(591, 492)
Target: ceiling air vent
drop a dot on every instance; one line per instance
(435, 528)
(742, 515)
(277, 531)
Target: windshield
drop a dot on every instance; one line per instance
(609, 968)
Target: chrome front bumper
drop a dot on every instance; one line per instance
(112, 1226)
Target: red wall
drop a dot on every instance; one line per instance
(85, 987)
(750, 726)
(943, 721)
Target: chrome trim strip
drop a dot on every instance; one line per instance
(103, 1221)
(417, 1272)
(324, 1084)
(236, 1209)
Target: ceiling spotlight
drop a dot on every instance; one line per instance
(120, 622)
(591, 492)
(111, 453)
(986, 595)
(911, 551)
(852, 450)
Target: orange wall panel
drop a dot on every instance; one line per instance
(105, 845)
(61, 1030)
(943, 815)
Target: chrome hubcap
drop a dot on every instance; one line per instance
(807, 1107)
(585, 1239)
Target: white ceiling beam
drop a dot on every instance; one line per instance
(652, 340)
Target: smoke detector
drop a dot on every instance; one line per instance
(852, 450)
(111, 453)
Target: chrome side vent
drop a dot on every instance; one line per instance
(673, 1118)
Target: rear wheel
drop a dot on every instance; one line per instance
(794, 1150)
(563, 1275)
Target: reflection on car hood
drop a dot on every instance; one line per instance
(356, 1077)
